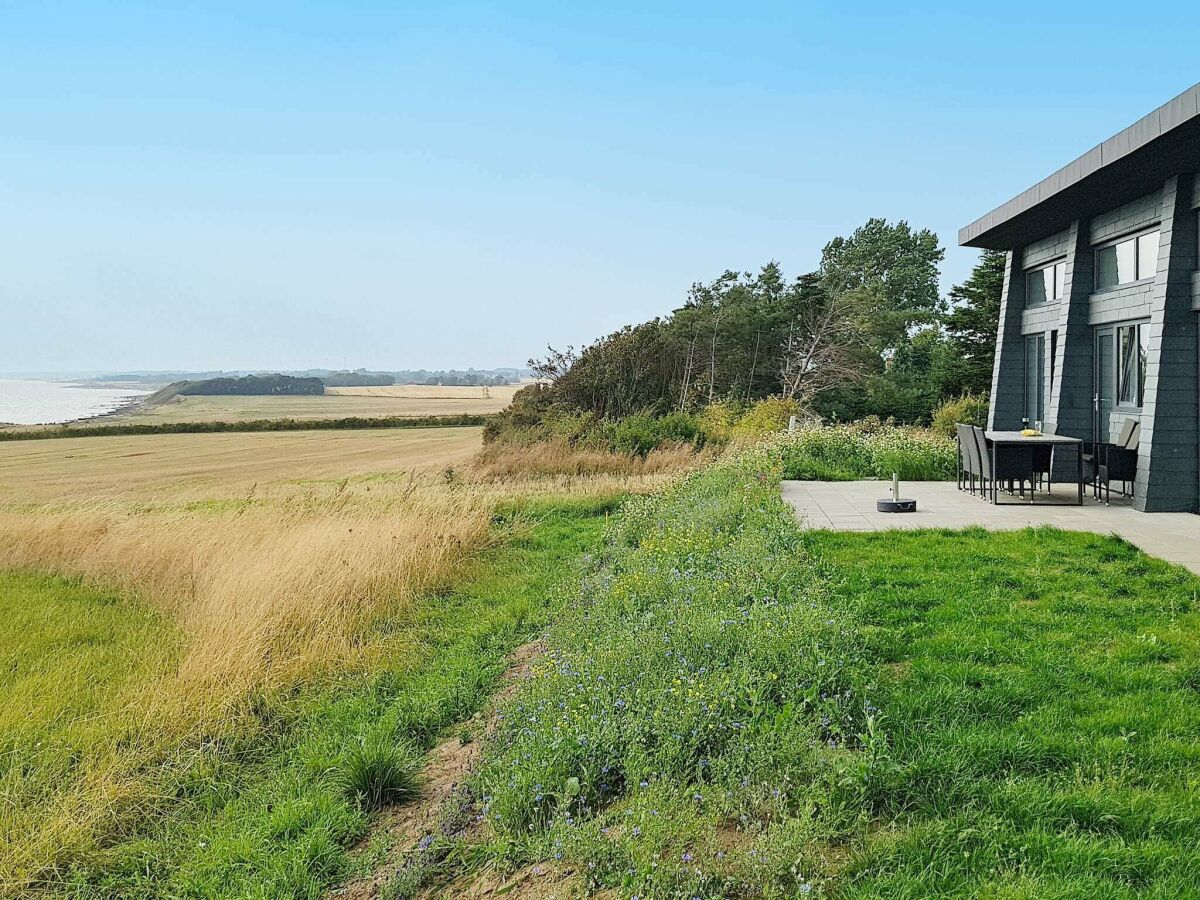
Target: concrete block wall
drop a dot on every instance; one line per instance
(1051, 248)
(1120, 304)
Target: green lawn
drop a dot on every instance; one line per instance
(1040, 694)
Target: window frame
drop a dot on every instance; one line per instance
(1058, 286)
(1134, 238)
(1140, 330)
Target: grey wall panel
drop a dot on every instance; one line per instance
(1043, 317)
(1168, 457)
(1070, 407)
(1008, 371)
(1131, 301)
(1041, 252)
(1134, 216)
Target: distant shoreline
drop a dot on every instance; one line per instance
(133, 403)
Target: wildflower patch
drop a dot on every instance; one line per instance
(699, 683)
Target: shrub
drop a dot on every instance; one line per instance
(717, 420)
(376, 770)
(768, 416)
(866, 449)
(970, 409)
(642, 433)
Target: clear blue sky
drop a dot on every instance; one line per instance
(447, 184)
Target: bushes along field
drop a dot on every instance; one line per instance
(866, 450)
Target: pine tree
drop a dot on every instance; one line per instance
(971, 324)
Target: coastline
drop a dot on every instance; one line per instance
(131, 405)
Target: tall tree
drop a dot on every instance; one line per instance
(823, 349)
(895, 269)
(972, 321)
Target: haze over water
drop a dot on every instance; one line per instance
(28, 402)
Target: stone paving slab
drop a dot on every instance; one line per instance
(850, 506)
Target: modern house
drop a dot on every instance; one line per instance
(1098, 322)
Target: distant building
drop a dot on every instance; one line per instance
(1098, 322)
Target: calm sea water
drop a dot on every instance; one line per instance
(51, 402)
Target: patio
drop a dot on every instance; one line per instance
(850, 506)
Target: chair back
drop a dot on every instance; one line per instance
(1135, 435)
(967, 448)
(1127, 428)
(1052, 428)
(983, 454)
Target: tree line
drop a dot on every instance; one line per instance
(867, 333)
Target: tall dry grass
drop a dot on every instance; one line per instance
(264, 592)
(503, 462)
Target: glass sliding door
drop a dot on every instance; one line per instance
(1035, 378)
(1105, 378)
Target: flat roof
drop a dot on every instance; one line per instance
(1126, 166)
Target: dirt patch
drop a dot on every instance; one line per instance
(536, 882)
(899, 670)
(444, 807)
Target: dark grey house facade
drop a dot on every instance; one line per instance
(1098, 322)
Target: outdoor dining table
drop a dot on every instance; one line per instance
(1001, 439)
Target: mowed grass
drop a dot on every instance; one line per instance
(1040, 696)
(377, 402)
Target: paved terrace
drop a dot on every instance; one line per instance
(850, 506)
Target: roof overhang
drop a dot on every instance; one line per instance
(1126, 166)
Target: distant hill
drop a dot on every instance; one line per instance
(254, 385)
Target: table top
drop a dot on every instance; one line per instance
(1015, 437)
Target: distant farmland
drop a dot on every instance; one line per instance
(363, 402)
(183, 467)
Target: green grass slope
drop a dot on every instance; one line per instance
(731, 707)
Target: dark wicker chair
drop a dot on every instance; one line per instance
(1094, 453)
(1118, 462)
(969, 465)
(1043, 458)
(1012, 464)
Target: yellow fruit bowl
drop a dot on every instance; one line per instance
(1030, 432)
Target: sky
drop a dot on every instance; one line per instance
(410, 185)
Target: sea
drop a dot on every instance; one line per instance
(30, 402)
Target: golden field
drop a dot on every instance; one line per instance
(364, 402)
(224, 566)
(188, 467)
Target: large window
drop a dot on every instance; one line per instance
(1126, 261)
(1044, 284)
(1131, 364)
(1035, 377)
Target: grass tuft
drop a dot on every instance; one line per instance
(378, 769)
